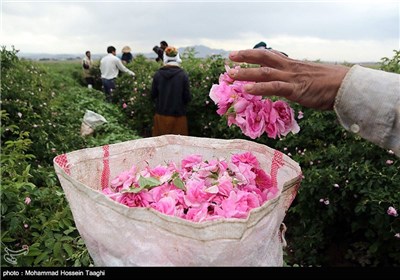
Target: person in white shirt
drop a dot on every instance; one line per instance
(110, 65)
(366, 101)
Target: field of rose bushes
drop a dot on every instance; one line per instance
(344, 213)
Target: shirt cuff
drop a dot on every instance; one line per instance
(368, 104)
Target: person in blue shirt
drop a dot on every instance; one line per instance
(127, 56)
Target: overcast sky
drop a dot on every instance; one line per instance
(352, 31)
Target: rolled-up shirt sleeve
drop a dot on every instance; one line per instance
(368, 104)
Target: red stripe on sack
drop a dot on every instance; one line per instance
(106, 168)
(277, 162)
(293, 194)
(62, 161)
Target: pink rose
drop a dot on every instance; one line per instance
(392, 211)
(285, 121)
(27, 200)
(252, 114)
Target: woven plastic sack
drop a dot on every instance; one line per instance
(116, 235)
(90, 121)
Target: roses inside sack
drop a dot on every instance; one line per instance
(118, 235)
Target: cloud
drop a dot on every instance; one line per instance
(310, 29)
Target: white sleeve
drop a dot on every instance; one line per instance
(368, 104)
(123, 68)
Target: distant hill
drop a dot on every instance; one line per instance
(203, 51)
(47, 56)
(200, 50)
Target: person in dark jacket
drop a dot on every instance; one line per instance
(159, 50)
(171, 94)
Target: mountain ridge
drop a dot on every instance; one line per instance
(201, 51)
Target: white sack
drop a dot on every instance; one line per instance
(93, 119)
(117, 235)
(90, 121)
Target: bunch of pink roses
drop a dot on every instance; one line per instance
(254, 115)
(199, 190)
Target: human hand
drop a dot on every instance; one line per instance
(312, 85)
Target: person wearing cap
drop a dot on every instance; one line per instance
(110, 65)
(127, 56)
(171, 94)
(263, 45)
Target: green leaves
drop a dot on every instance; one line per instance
(42, 109)
(151, 182)
(177, 181)
(148, 182)
(144, 183)
(391, 64)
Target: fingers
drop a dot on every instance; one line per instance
(262, 57)
(276, 88)
(260, 74)
(278, 53)
(269, 80)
